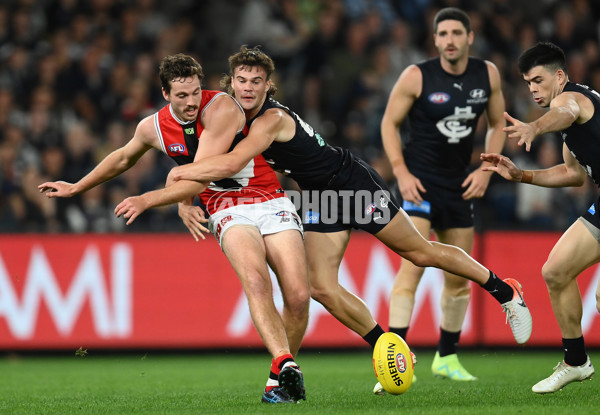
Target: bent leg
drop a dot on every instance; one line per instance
(575, 251)
(324, 252)
(287, 257)
(402, 237)
(245, 249)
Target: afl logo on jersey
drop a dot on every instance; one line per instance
(439, 97)
(177, 148)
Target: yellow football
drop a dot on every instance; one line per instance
(393, 363)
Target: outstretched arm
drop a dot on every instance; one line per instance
(569, 173)
(111, 166)
(191, 179)
(565, 109)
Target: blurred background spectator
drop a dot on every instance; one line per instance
(77, 76)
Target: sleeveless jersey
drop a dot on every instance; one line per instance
(583, 140)
(255, 183)
(443, 119)
(306, 158)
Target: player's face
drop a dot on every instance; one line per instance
(544, 84)
(452, 40)
(250, 86)
(185, 97)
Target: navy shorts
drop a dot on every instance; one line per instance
(355, 197)
(593, 214)
(443, 206)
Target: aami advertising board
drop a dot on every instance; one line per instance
(167, 291)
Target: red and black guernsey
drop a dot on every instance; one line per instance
(255, 183)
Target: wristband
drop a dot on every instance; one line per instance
(526, 176)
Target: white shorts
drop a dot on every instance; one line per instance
(271, 216)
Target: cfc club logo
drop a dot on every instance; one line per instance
(177, 148)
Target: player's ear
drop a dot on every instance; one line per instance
(471, 37)
(165, 95)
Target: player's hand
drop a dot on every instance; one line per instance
(476, 184)
(193, 218)
(524, 132)
(411, 188)
(56, 189)
(502, 165)
(131, 208)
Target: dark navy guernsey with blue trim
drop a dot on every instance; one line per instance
(306, 158)
(583, 140)
(443, 120)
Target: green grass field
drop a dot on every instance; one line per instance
(232, 383)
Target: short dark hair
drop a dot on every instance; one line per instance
(545, 54)
(178, 66)
(247, 57)
(452, 13)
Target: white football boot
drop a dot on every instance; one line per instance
(517, 313)
(563, 375)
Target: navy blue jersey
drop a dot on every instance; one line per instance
(306, 158)
(443, 120)
(583, 140)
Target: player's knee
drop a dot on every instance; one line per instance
(299, 302)
(554, 279)
(257, 286)
(322, 295)
(420, 259)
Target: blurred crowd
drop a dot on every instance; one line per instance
(76, 76)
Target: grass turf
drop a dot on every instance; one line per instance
(232, 383)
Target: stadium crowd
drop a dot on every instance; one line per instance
(77, 76)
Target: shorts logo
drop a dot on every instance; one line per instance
(592, 210)
(225, 220)
(282, 213)
(439, 97)
(370, 209)
(312, 217)
(424, 207)
(177, 148)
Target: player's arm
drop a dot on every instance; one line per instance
(111, 166)
(222, 121)
(477, 182)
(569, 173)
(402, 97)
(565, 109)
(274, 125)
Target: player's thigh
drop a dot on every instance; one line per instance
(462, 238)
(576, 250)
(402, 236)
(324, 253)
(245, 249)
(287, 257)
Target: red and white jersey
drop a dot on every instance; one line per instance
(255, 183)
